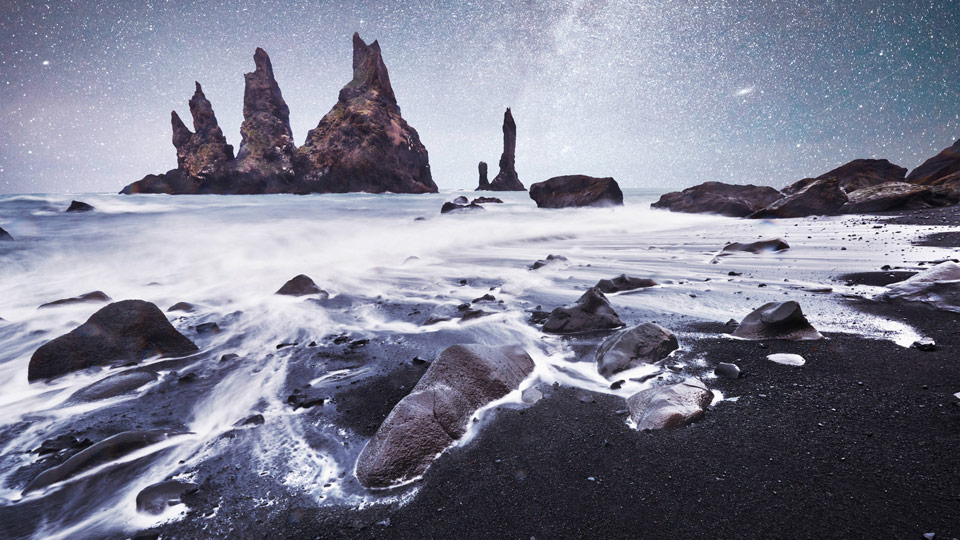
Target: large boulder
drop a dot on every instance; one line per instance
(937, 168)
(822, 197)
(898, 196)
(622, 283)
(777, 320)
(462, 379)
(105, 451)
(506, 179)
(576, 190)
(938, 287)
(719, 198)
(631, 347)
(363, 143)
(858, 174)
(591, 312)
(671, 406)
(125, 332)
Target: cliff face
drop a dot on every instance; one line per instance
(936, 170)
(506, 179)
(363, 143)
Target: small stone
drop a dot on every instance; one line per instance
(925, 344)
(728, 370)
(787, 359)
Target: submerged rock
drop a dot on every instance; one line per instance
(936, 169)
(154, 499)
(121, 333)
(670, 406)
(4, 235)
(114, 385)
(575, 191)
(485, 200)
(777, 320)
(623, 283)
(86, 298)
(506, 179)
(363, 143)
(186, 307)
(760, 246)
(591, 312)
(898, 196)
(822, 197)
(105, 451)
(938, 287)
(719, 198)
(79, 206)
(462, 379)
(540, 263)
(301, 286)
(631, 347)
(449, 207)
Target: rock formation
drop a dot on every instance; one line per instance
(576, 190)
(506, 179)
(363, 144)
(719, 198)
(937, 168)
(857, 174)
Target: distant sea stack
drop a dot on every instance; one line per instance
(362, 144)
(506, 179)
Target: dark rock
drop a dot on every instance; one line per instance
(253, 420)
(123, 332)
(174, 182)
(761, 246)
(485, 298)
(858, 174)
(550, 259)
(727, 370)
(182, 306)
(107, 450)
(203, 153)
(61, 443)
(79, 206)
(623, 283)
(925, 344)
(719, 198)
(363, 143)
(461, 200)
(229, 357)
(304, 401)
(207, 328)
(458, 208)
(301, 286)
(672, 406)
(485, 200)
(631, 347)
(936, 169)
(4, 235)
(576, 190)
(90, 297)
(461, 380)
(154, 499)
(898, 196)
(114, 385)
(777, 320)
(506, 179)
(472, 314)
(591, 312)
(822, 197)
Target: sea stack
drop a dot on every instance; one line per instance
(506, 179)
(484, 183)
(363, 143)
(204, 153)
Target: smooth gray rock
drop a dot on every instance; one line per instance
(114, 385)
(671, 406)
(938, 287)
(631, 347)
(154, 499)
(727, 370)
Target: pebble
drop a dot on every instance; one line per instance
(787, 359)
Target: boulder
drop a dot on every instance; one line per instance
(727, 370)
(937, 168)
(4, 235)
(120, 333)
(363, 143)
(576, 190)
(622, 283)
(105, 451)
(719, 198)
(483, 184)
(462, 379)
(760, 246)
(631, 347)
(777, 320)
(486, 200)
(301, 286)
(938, 287)
(822, 197)
(154, 499)
(591, 312)
(461, 200)
(858, 174)
(506, 179)
(87, 298)
(671, 406)
(114, 385)
(449, 207)
(79, 206)
(898, 196)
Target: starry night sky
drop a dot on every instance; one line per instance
(654, 93)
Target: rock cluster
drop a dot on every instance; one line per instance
(506, 179)
(362, 144)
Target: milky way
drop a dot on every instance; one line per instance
(655, 94)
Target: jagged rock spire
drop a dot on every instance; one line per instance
(266, 147)
(369, 73)
(205, 151)
(507, 179)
